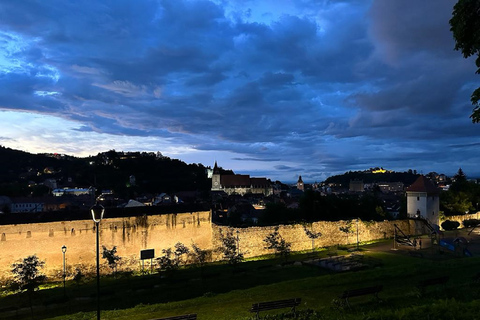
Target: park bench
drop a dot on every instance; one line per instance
(422, 285)
(192, 316)
(279, 304)
(360, 292)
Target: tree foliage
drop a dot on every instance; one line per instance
(465, 26)
(111, 256)
(167, 261)
(229, 248)
(312, 235)
(200, 255)
(276, 242)
(460, 176)
(462, 197)
(180, 251)
(27, 273)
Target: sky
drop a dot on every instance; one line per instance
(270, 88)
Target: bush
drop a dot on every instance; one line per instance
(450, 225)
(470, 223)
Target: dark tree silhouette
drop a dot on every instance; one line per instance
(465, 26)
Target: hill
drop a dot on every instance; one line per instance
(126, 173)
(368, 176)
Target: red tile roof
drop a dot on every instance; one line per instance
(235, 180)
(422, 184)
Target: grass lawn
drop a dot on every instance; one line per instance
(227, 293)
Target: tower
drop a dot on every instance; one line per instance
(300, 185)
(423, 200)
(216, 178)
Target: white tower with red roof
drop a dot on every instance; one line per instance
(423, 200)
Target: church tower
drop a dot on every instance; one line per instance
(216, 178)
(300, 185)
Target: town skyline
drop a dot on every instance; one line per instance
(274, 89)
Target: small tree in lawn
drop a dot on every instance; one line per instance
(275, 241)
(28, 276)
(229, 248)
(312, 235)
(111, 257)
(347, 229)
(167, 262)
(200, 256)
(180, 250)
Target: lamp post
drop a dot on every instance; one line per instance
(238, 242)
(357, 234)
(97, 214)
(64, 249)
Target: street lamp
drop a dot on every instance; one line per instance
(357, 234)
(238, 242)
(64, 249)
(97, 214)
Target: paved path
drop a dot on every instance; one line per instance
(473, 243)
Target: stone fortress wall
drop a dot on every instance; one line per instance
(132, 234)
(251, 242)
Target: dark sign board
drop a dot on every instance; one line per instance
(147, 254)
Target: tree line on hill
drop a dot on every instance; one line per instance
(367, 176)
(128, 174)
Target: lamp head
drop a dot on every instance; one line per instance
(64, 249)
(97, 212)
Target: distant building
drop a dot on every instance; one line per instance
(239, 183)
(300, 185)
(387, 187)
(37, 204)
(356, 186)
(73, 192)
(423, 200)
(26, 205)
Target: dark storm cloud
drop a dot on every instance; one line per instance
(313, 87)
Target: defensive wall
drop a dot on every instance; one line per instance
(461, 218)
(129, 234)
(251, 242)
(132, 234)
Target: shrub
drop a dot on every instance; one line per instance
(470, 223)
(450, 225)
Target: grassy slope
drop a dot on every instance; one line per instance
(224, 294)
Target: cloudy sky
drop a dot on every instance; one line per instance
(273, 88)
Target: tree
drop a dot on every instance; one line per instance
(200, 256)
(180, 250)
(465, 26)
(27, 275)
(167, 262)
(460, 176)
(111, 257)
(455, 203)
(229, 248)
(275, 241)
(312, 235)
(347, 229)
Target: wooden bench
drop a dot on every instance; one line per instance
(360, 292)
(279, 304)
(192, 316)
